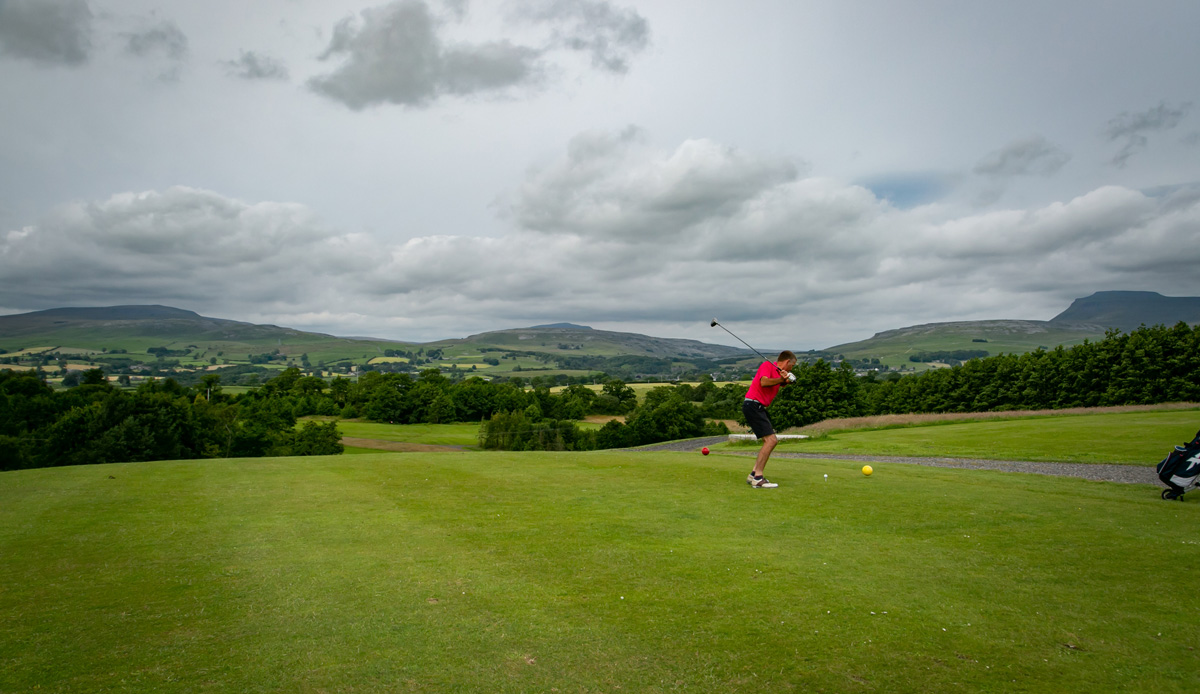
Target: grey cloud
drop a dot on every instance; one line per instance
(255, 66)
(165, 38)
(163, 41)
(610, 35)
(1032, 156)
(395, 55)
(48, 32)
(1132, 128)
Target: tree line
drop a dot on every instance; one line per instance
(1146, 366)
(96, 422)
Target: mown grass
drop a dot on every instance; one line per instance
(456, 434)
(1139, 438)
(608, 571)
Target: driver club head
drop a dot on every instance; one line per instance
(714, 323)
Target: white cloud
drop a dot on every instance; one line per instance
(616, 186)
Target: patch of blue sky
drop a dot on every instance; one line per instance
(908, 190)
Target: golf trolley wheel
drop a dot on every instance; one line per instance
(1171, 494)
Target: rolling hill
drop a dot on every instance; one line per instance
(200, 341)
(567, 339)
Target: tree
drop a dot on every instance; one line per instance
(93, 377)
(616, 397)
(315, 438)
(210, 386)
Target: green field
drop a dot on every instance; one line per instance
(608, 571)
(1138, 438)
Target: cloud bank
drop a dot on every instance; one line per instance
(619, 232)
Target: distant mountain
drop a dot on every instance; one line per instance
(1129, 310)
(569, 326)
(68, 326)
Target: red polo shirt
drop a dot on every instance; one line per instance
(759, 392)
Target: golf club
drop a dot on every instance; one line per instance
(770, 361)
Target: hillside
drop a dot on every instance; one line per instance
(136, 329)
(567, 339)
(1127, 311)
(895, 347)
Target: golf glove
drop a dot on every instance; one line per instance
(791, 378)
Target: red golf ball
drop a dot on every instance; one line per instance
(704, 450)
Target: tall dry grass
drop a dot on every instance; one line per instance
(886, 420)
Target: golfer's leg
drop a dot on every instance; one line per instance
(760, 463)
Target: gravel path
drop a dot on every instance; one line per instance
(1100, 472)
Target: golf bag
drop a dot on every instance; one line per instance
(1180, 470)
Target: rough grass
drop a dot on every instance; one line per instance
(635, 572)
(887, 421)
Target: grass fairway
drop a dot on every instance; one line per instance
(591, 572)
(457, 434)
(1138, 438)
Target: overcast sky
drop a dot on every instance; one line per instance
(810, 173)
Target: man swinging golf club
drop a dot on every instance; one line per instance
(763, 389)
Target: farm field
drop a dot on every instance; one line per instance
(1137, 438)
(479, 571)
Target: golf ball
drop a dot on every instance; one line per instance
(704, 450)
(867, 470)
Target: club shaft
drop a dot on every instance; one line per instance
(715, 322)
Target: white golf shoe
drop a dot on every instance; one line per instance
(760, 482)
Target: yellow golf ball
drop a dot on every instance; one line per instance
(867, 470)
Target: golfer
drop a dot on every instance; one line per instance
(763, 390)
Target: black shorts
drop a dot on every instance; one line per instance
(756, 417)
